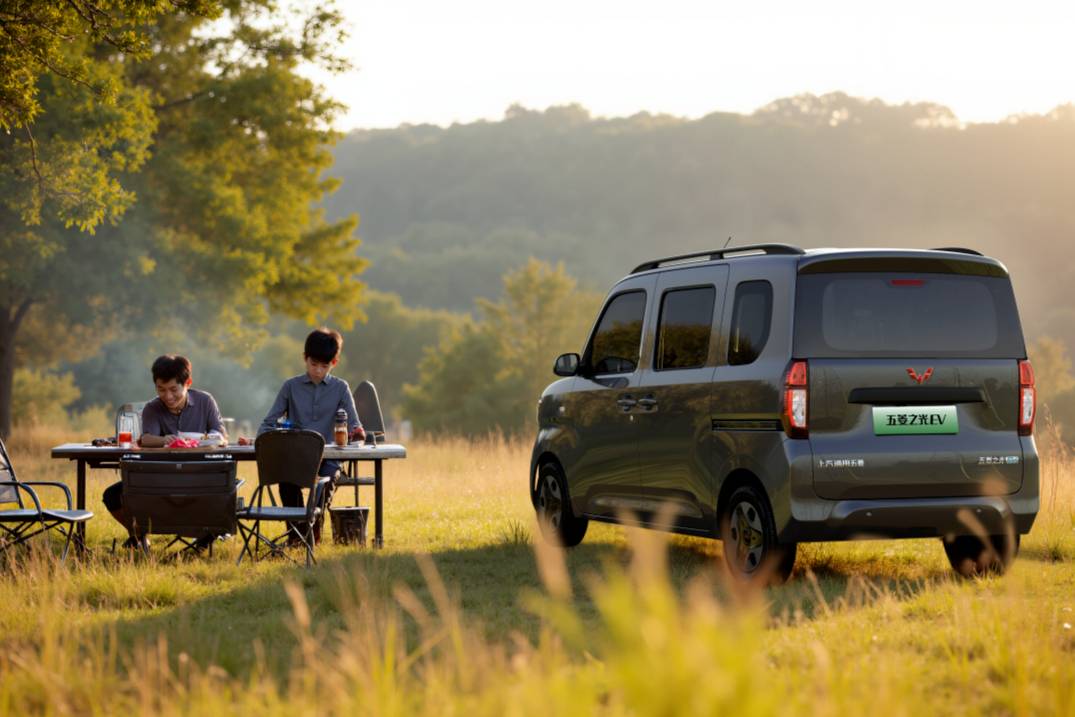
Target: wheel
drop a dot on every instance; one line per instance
(748, 531)
(971, 557)
(558, 522)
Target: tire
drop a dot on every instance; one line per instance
(558, 522)
(748, 532)
(970, 557)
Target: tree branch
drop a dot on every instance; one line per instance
(20, 314)
(33, 158)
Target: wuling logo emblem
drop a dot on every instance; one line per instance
(920, 378)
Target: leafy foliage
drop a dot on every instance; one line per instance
(213, 151)
(35, 36)
(488, 374)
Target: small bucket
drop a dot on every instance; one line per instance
(349, 524)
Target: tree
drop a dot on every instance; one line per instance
(488, 375)
(388, 346)
(81, 145)
(213, 153)
(35, 35)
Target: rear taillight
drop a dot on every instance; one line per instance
(795, 387)
(1027, 399)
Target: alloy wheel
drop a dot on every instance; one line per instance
(550, 500)
(748, 536)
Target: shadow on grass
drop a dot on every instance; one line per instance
(250, 628)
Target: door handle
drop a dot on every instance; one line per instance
(647, 402)
(626, 402)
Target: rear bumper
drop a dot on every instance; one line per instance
(915, 518)
(809, 518)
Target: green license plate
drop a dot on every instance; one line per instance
(914, 420)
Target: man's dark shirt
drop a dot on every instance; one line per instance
(200, 415)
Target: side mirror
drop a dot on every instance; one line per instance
(566, 365)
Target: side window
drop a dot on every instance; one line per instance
(751, 316)
(684, 327)
(617, 341)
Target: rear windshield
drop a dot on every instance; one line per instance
(890, 314)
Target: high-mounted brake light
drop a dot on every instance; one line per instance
(795, 400)
(1027, 399)
(907, 282)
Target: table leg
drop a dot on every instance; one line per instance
(80, 503)
(378, 537)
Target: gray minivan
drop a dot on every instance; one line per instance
(767, 395)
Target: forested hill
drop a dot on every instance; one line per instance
(445, 211)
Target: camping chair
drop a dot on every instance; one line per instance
(20, 524)
(191, 500)
(369, 413)
(285, 456)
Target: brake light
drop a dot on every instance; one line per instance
(1027, 399)
(795, 395)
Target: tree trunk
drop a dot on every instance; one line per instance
(10, 320)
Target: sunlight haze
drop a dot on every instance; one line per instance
(457, 62)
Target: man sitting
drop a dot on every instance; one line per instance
(177, 408)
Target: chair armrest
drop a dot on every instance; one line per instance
(25, 487)
(56, 484)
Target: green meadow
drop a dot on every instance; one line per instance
(464, 612)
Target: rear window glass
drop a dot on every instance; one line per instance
(751, 316)
(617, 341)
(881, 314)
(684, 327)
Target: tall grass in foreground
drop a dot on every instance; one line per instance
(938, 644)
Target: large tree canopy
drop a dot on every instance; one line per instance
(212, 151)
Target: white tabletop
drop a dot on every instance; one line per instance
(353, 452)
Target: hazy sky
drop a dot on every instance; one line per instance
(444, 62)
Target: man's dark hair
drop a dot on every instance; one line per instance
(323, 345)
(170, 366)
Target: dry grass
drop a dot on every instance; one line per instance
(456, 616)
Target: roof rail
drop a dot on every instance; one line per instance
(959, 249)
(714, 254)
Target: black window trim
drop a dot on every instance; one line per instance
(588, 354)
(657, 328)
(732, 322)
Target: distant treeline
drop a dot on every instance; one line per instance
(446, 211)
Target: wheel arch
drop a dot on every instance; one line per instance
(737, 478)
(535, 468)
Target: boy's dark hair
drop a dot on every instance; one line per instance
(170, 366)
(323, 345)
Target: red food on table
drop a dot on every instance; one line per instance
(184, 443)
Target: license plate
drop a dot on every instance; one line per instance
(914, 420)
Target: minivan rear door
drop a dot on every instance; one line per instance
(674, 423)
(913, 377)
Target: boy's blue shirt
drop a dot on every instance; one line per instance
(312, 406)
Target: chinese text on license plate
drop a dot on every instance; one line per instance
(914, 420)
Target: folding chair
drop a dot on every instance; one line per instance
(369, 413)
(190, 500)
(20, 524)
(285, 456)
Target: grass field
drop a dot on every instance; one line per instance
(464, 613)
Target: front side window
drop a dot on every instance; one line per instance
(617, 341)
(684, 328)
(751, 317)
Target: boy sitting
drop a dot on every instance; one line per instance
(310, 400)
(177, 407)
